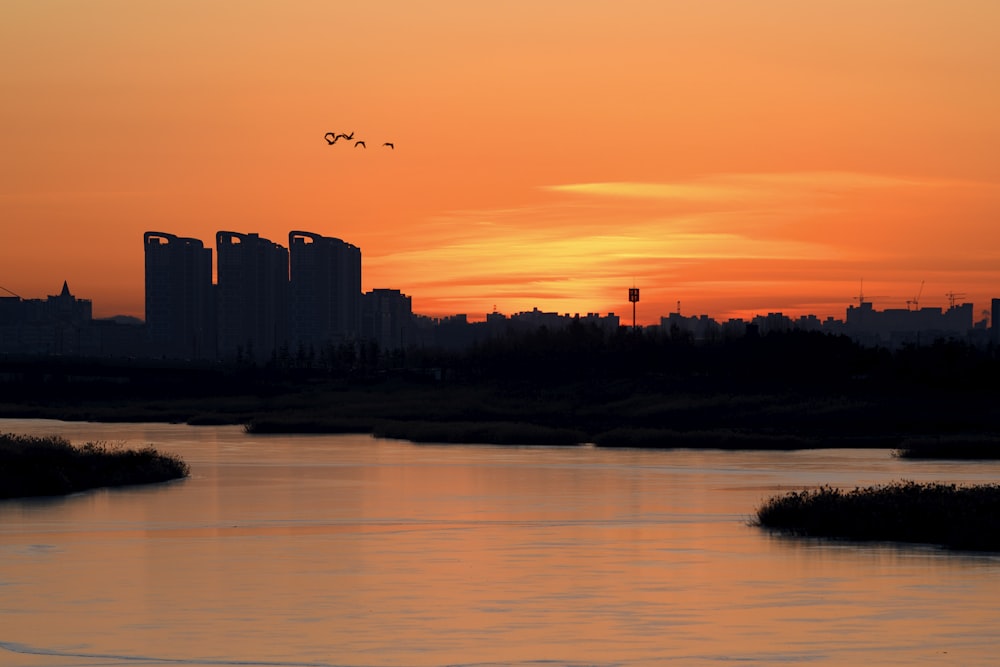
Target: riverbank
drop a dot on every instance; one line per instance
(51, 466)
(792, 390)
(607, 414)
(966, 518)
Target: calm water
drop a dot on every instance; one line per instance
(347, 550)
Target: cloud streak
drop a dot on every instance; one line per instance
(718, 235)
(772, 189)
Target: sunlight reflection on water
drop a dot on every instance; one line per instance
(348, 550)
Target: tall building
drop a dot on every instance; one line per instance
(180, 309)
(252, 296)
(324, 289)
(388, 319)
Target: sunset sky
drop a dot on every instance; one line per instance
(738, 156)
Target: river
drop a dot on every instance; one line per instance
(323, 551)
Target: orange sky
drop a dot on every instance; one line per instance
(739, 157)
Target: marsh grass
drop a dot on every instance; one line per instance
(479, 432)
(958, 517)
(50, 466)
(615, 413)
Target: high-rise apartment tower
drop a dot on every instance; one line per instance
(180, 312)
(252, 296)
(325, 289)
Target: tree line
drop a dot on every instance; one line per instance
(581, 354)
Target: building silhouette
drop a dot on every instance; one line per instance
(894, 327)
(388, 319)
(58, 324)
(180, 304)
(324, 290)
(252, 296)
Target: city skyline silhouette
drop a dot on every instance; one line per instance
(254, 298)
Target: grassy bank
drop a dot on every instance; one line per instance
(941, 514)
(956, 446)
(623, 388)
(609, 414)
(51, 466)
(648, 411)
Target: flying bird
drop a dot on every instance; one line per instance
(333, 137)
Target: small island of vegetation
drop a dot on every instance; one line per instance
(947, 515)
(51, 466)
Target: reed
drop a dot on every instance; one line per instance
(50, 466)
(957, 517)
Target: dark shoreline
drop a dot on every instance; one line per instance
(619, 416)
(790, 390)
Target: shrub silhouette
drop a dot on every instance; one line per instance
(932, 513)
(49, 466)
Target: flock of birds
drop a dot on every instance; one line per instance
(333, 137)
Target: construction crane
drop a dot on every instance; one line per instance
(862, 299)
(953, 297)
(916, 300)
(9, 292)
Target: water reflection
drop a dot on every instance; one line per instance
(350, 550)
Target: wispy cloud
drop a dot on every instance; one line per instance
(704, 192)
(570, 271)
(723, 234)
(719, 189)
